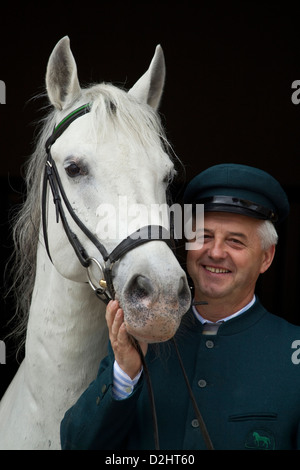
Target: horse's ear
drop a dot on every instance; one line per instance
(149, 88)
(61, 78)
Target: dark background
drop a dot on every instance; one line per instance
(227, 98)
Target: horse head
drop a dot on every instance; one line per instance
(114, 167)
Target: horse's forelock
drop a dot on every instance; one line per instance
(109, 105)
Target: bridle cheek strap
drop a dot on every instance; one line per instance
(139, 237)
(105, 291)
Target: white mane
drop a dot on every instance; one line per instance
(127, 153)
(110, 106)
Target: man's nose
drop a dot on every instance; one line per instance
(217, 250)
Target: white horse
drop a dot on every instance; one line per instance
(116, 150)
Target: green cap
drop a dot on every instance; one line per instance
(238, 189)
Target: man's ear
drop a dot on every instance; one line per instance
(267, 259)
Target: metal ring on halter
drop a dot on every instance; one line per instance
(105, 291)
(102, 281)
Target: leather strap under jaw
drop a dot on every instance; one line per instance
(141, 236)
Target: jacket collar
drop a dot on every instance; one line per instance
(231, 326)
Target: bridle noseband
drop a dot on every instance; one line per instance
(105, 290)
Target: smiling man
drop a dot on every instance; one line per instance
(226, 269)
(238, 357)
(241, 204)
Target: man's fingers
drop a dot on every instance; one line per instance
(123, 338)
(125, 353)
(115, 323)
(111, 311)
(118, 320)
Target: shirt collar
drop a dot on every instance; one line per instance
(203, 320)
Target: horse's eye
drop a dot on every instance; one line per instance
(168, 178)
(73, 170)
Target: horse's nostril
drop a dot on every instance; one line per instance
(141, 287)
(182, 287)
(183, 290)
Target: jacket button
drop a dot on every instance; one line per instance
(98, 399)
(209, 344)
(103, 388)
(202, 383)
(195, 423)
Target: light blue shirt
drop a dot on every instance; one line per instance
(123, 385)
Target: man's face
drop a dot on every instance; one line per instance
(231, 259)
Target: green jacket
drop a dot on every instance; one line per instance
(246, 380)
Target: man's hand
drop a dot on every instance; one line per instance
(125, 353)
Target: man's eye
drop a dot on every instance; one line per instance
(236, 241)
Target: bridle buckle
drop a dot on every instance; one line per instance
(101, 284)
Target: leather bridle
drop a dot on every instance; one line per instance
(105, 290)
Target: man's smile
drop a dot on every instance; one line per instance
(216, 270)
